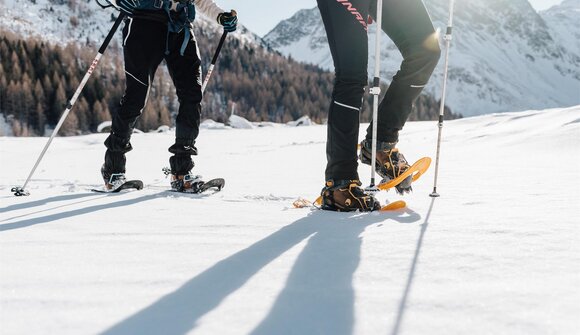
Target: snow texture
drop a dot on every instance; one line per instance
(497, 253)
(239, 122)
(5, 128)
(302, 121)
(504, 56)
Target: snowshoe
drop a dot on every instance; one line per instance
(116, 182)
(187, 183)
(190, 183)
(389, 165)
(112, 180)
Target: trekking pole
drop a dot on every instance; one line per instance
(20, 191)
(448, 37)
(215, 57)
(376, 91)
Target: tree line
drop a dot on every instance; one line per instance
(37, 79)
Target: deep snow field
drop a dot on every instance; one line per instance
(497, 253)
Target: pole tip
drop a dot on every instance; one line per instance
(19, 191)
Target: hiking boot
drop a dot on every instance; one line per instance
(188, 183)
(390, 163)
(347, 196)
(112, 180)
(182, 180)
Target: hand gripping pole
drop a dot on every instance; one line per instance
(214, 59)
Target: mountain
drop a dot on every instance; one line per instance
(78, 21)
(563, 20)
(504, 55)
(47, 46)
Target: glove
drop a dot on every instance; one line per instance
(228, 20)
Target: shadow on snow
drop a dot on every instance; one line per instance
(72, 213)
(318, 296)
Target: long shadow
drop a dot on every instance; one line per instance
(40, 202)
(411, 276)
(318, 297)
(76, 212)
(53, 208)
(332, 254)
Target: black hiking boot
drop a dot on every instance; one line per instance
(182, 180)
(186, 183)
(112, 180)
(347, 196)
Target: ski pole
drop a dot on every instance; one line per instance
(20, 191)
(376, 91)
(214, 60)
(448, 37)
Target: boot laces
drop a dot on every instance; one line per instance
(397, 162)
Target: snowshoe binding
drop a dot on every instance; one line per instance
(190, 183)
(390, 163)
(116, 182)
(347, 196)
(112, 180)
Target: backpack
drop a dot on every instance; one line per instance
(185, 10)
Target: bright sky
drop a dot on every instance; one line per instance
(544, 4)
(260, 16)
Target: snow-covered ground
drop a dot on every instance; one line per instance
(497, 253)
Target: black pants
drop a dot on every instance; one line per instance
(408, 24)
(145, 44)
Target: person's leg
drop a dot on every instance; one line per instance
(408, 24)
(185, 70)
(143, 45)
(346, 29)
(345, 24)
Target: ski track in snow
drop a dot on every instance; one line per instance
(497, 253)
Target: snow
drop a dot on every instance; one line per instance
(239, 122)
(302, 121)
(52, 21)
(211, 124)
(5, 129)
(497, 253)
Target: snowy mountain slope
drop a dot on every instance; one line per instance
(505, 56)
(563, 20)
(79, 21)
(498, 253)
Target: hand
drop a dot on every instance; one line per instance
(228, 20)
